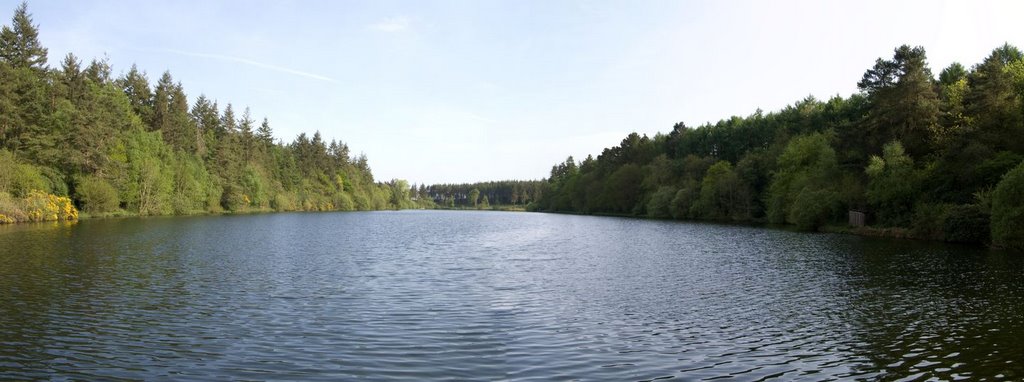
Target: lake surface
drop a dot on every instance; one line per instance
(436, 295)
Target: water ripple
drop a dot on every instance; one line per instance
(429, 295)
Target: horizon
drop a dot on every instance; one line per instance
(456, 93)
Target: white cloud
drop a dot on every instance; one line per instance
(392, 25)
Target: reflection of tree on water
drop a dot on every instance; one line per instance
(206, 295)
(67, 284)
(940, 310)
(33, 281)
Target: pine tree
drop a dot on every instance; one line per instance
(72, 78)
(993, 104)
(905, 104)
(24, 98)
(98, 71)
(227, 121)
(181, 130)
(245, 127)
(19, 44)
(207, 121)
(161, 118)
(136, 86)
(264, 134)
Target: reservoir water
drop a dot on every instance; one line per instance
(436, 295)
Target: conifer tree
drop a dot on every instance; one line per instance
(206, 118)
(181, 129)
(19, 43)
(992, 103)
(136, 86)
(264, 134)
(905, 105)
(161, 118)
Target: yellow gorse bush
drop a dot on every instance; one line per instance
(40, 206)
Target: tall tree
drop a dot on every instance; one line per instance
(180, 130)
(952, 91)
(264, 134)
(893, 185)
(19, 43)
(98, 71)
(803, 191)
(992, 102)
(161, 118)
(71, 78)
(905, 105)
(24, 89)
(474, 196)
(247, 139)
(136, 86)
(206, 117)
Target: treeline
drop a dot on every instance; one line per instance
(507, 193)
(124, 146)
(926, 157)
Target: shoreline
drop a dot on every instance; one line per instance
(898, 233)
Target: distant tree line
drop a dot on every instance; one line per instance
(937, 158)
(506, 193)
(125, 146)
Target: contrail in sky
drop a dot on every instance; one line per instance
(253, 63)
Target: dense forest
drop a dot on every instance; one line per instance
(920, 156)
(506, 194)
(923, 157)
(74, 136)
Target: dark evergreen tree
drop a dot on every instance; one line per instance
(136, 87)
(19, 43)
(905, 105)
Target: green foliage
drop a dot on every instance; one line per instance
(660, 205)
(150, 179)
(401, 194)
(234, 199)
(723, 195)
(156, 153)
(1008, 210)
(893, 185)
(19, 178)
(19, 43)
(286, 201)
(905, 105)
(754, 171)
(499, 193)
(474, 195)
(813, 208)
(929, 220)
(682, 203)
(800, 165)
(255, 187)
(803, 191)
(993, 102)
(193, 185)
(623, 188)
(11, 210)
(966, 224)
(96, 195)
(343, 202)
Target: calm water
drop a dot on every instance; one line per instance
(431, 295)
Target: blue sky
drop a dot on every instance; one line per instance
(463, 91)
